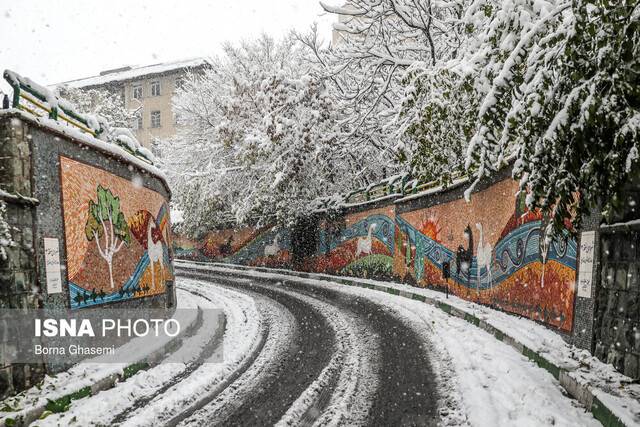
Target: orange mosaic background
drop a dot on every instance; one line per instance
(87, 270)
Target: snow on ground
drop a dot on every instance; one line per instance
(102, 408)
(483, 381)
(89, 373)
(498, 386)
(242, 335)
(618, 390)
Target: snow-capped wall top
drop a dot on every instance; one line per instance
(129, 73)
(86, 139)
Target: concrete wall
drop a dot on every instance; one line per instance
(61, 178)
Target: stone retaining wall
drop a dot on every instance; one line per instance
(49, 180)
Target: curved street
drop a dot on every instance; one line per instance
(300, 352)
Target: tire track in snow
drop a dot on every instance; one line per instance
(488, 382)
(407, 390)
(245, 338)
(340, 393)
(210, 349)
(102, 408)
(283, 370)
(345, 392)
(243, 325)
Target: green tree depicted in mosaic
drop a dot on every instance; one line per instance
(107, 226)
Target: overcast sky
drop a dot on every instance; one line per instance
(59, 40)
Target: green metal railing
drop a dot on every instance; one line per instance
(25, 91)
(38, 104)
(401, 185)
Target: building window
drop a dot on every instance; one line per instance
(137, 92)
(155, 119)
(155, 88)
(137, 122)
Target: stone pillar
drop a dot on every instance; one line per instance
(582, 336)
(18, 283)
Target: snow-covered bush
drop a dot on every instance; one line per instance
(551, 82)
(6, 240)
(107, 112)
(98, 103)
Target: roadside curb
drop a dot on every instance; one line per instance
(28, 415)
(583, 393)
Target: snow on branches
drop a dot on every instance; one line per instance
(550, 82)
(98, 102)
(437, 88)
(6, 241)
(259, 138)
(107, 109)
(566, 101)
(379, 49)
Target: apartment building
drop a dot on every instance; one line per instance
(339, 32)
(148, 91)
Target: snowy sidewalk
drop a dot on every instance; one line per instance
(613, 398)
(87, 378)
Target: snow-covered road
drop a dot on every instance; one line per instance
(340, 366)
(307, 353)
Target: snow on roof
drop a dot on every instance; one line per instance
(128, 73)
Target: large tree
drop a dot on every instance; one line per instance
(377, 44)
(259, 136)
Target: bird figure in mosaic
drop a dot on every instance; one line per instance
(484, 255)
(365, 243)
(273, 248)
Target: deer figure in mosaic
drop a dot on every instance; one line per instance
(146, 231)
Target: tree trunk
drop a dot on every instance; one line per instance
(111, 273)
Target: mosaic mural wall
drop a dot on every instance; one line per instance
(492, 246)
(494, 250)
(267, 246)
(359, 244)
(117, 236)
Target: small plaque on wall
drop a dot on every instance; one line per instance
(585, 268)
(52, 265)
